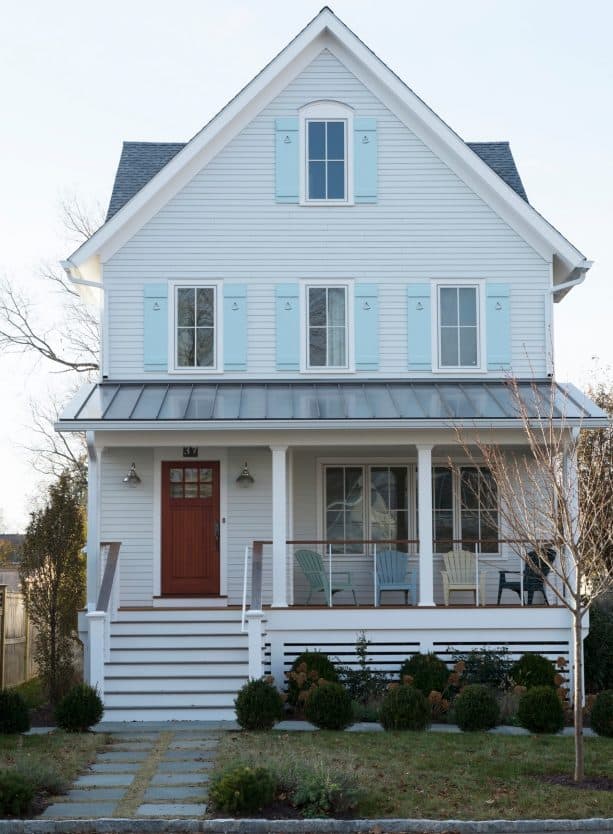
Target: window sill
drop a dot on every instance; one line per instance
(327, 371)
(196, 370)
(344, 203)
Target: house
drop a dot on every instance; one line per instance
(299, 307)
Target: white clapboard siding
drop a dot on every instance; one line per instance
(225, 224)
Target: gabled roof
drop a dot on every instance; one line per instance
(326, 31)
(141, 161)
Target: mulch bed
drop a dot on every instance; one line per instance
(43, 716)
(594, 783)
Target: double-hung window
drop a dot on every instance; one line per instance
(326, 150)
(465, 508)
(195, 327)
(327, 329)
(459, 339)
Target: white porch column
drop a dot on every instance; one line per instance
(279, 526)
(424, 495)
(93, 526)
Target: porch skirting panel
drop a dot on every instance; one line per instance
(396, 634)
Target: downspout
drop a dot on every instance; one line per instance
(93, 533)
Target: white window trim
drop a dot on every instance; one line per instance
(480, 285)
(322, 111)
(348, 286)
(173, 368)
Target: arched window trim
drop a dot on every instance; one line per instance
(326, 109)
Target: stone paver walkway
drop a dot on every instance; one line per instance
(144, 773)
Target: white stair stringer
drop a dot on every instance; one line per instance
(175, 664)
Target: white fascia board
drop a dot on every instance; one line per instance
(311, 425)
(327, 31)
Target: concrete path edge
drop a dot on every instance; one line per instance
(306, 826)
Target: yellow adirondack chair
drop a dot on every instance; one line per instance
(460, 574)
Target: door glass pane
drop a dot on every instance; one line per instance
(317, 180)
(344, 507)
(176, 491)
(468, 306)
(469, 492)
(468, 346)
(336, 140)
(336, 180)
(443, 530)
(191, 474)
(470, 529)
(176, 475)
(191, 490)
(185, 307)
(317, 141)
(449, 306)
(442, 488)
(206, 474)
(206, 490)
(449, 347)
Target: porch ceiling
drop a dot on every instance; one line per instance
(330, 403)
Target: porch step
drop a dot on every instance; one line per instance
(123, 628)
(137, 713)
(168, 615)
(171, 670)
(166, 684)
(178, 654)
(159, 641)
(155, 700)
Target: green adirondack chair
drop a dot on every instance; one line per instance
(393, 574)
(312, 566)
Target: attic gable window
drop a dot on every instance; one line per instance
(326, 151)
(326, 160)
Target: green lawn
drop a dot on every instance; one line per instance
(440, 775)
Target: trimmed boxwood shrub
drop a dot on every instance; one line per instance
(258, 705)
(80, 709)
(540, 710)
(598, 648)
(14, 713)
(242, 790)
(533, 670)
(429, 673)
(329, 707)
(601, 716)
(307, 669)
(16, 794)
(405, 708)
(476, 708)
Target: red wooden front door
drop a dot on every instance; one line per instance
(190, 528)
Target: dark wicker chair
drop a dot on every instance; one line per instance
(536, 568)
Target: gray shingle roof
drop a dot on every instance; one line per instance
(141, 161)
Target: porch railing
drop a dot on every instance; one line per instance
(99, 621)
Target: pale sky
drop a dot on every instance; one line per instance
(78, 78)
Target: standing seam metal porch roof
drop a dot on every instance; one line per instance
(322, 401)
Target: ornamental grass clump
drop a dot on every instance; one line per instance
(307, 670)
(405, 708)
(533, 670)
(14, 713)
(329, 707)
(80, 709)
(325, 793)
(427, 672)
(540, 710)
(476, 708)
(258, 705)
(242, 790)
(601, 716)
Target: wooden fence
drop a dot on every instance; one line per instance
(16, 655)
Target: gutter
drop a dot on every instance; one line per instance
(68, 268)
(578, 274)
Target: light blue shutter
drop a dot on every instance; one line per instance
(366, 327)
(286, 160)
(235, 327)
(419, 327)
(155, 327)
(498, 327)
(288, 327)
(365, 160)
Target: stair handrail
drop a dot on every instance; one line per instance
(108, 577)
